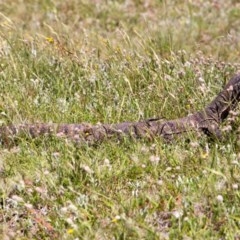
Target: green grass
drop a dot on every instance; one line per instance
(112, 61)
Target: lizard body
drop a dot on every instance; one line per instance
(206, 121)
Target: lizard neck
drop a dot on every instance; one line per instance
(226, 101)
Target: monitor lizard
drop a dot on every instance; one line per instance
(206, 121)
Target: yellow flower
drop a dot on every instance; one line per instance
(70, 231)
(50, 39)
(204, 155)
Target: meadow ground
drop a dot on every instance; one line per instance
(111, 61)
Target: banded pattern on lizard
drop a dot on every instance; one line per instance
(206, 121)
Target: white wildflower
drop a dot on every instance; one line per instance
(154, 159)
(160, 182)
(177, 213)
(235, 186)
(219, 198)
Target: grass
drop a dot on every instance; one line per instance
(112, 61)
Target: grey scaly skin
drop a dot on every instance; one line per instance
(206, 121)
(209, 119)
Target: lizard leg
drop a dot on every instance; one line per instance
(213, 131)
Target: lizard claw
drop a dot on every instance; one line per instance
(213, 131)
